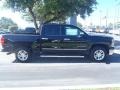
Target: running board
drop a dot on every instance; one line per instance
(62, 56)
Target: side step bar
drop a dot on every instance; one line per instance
(61, 56)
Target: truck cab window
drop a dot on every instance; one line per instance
(69, 31)
(51, 30)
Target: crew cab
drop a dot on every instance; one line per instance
(57, 39)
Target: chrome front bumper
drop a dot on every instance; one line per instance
(111, 51)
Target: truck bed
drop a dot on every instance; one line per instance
(14, 41)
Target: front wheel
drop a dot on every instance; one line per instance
(23, 55)
(98, 54)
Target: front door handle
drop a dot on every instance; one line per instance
(44, 38)
(66, 39)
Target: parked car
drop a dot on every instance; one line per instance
(116, 32)
(57, 39)
(2, 32)
(102, 30)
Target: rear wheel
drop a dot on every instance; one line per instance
(98, 54)
(23, 55)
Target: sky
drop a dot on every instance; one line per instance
(109, 8)
(15, 16)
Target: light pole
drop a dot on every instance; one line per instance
(100, 17)
(115, 17)
(73, 20)
(106, 20)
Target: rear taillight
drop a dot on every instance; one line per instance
(2, 40)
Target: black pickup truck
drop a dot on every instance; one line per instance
(57, 39)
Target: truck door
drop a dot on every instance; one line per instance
(73, 39)
(50, 37)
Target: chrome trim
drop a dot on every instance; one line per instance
(61, 56)
(55, 41)
(111, 52)
(61, 49)
(66, 39)
(1, 47)
(113, 43)
(99, 55)
(22, 55)
(44, 38)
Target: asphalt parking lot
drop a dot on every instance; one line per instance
(58, 72)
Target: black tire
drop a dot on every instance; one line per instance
(98, 54)
(23, 55)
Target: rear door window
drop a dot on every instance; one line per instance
(51, 30)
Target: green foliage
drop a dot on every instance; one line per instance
(20, 5)
(45, 11)
(53, 10)
(5, 23)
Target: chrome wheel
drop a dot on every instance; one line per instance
(22, 55)
(99, 55)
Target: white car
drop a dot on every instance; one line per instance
(116, 32)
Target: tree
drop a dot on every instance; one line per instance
(25, 6)
(5, 23)
(45, 11)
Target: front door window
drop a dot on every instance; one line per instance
(71, 31)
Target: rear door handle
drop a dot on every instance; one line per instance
(66, 39)
(55, 41)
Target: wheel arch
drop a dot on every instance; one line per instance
(100, 45)
(21, 45)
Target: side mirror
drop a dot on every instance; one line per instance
(81, 34)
